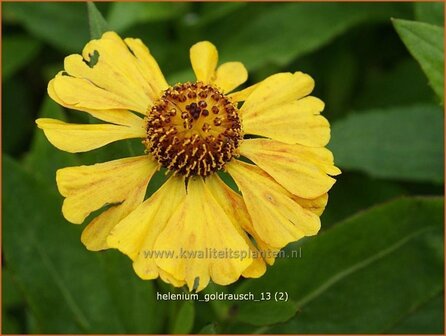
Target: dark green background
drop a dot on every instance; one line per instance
(376, 266)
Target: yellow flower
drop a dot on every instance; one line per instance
(194, 228)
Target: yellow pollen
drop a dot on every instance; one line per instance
(193, 129)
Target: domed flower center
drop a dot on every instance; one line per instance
(193, 129)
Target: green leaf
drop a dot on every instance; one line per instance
(210, 312)
(17, 51)
(367, 191)
(403, 84)
(279, 33)
(338, 93)
(398, 143)
(10, 324)
(134, 298)
(425, 318)
(184, 319)
(209, 329)
(124, 15)
(17, 113)
(425, 42)
(97, 23)
(430, 12)
(51, 70)
(63, 25)
(69, 289)
(11, 294)
(375, 266)
(266, 312)
(210, 11)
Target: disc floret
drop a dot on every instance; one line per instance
(193, 129)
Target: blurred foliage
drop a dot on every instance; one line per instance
(425, 42)
(96, 21)
(376, 267)
(390, 143)
(345, 274)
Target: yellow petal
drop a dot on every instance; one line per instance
(230, 75)
(110, 35)
(89, 188)
(276, 217)
(110, 75)
(204, 58)
(276, 90)
(136, 234)
(128, 63)
(105, 76)
(205, 241)
(235, 209)
(269, 253)
(95, 233)
(116, 69)
(294, 122)
(120, 117)
(80, 93)
(315, 205)
(234, 206)
(166, 277)
(148, 65)
(301, 170)
(76, 138)
(243, 94)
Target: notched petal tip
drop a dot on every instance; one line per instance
(303, 171)
(233, 205)
(198, 227)
(305, 79)
(276, 217)
(89, 188)
(110, 74)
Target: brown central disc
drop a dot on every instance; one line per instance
(193, 129)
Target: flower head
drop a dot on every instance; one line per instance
(269, 137)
